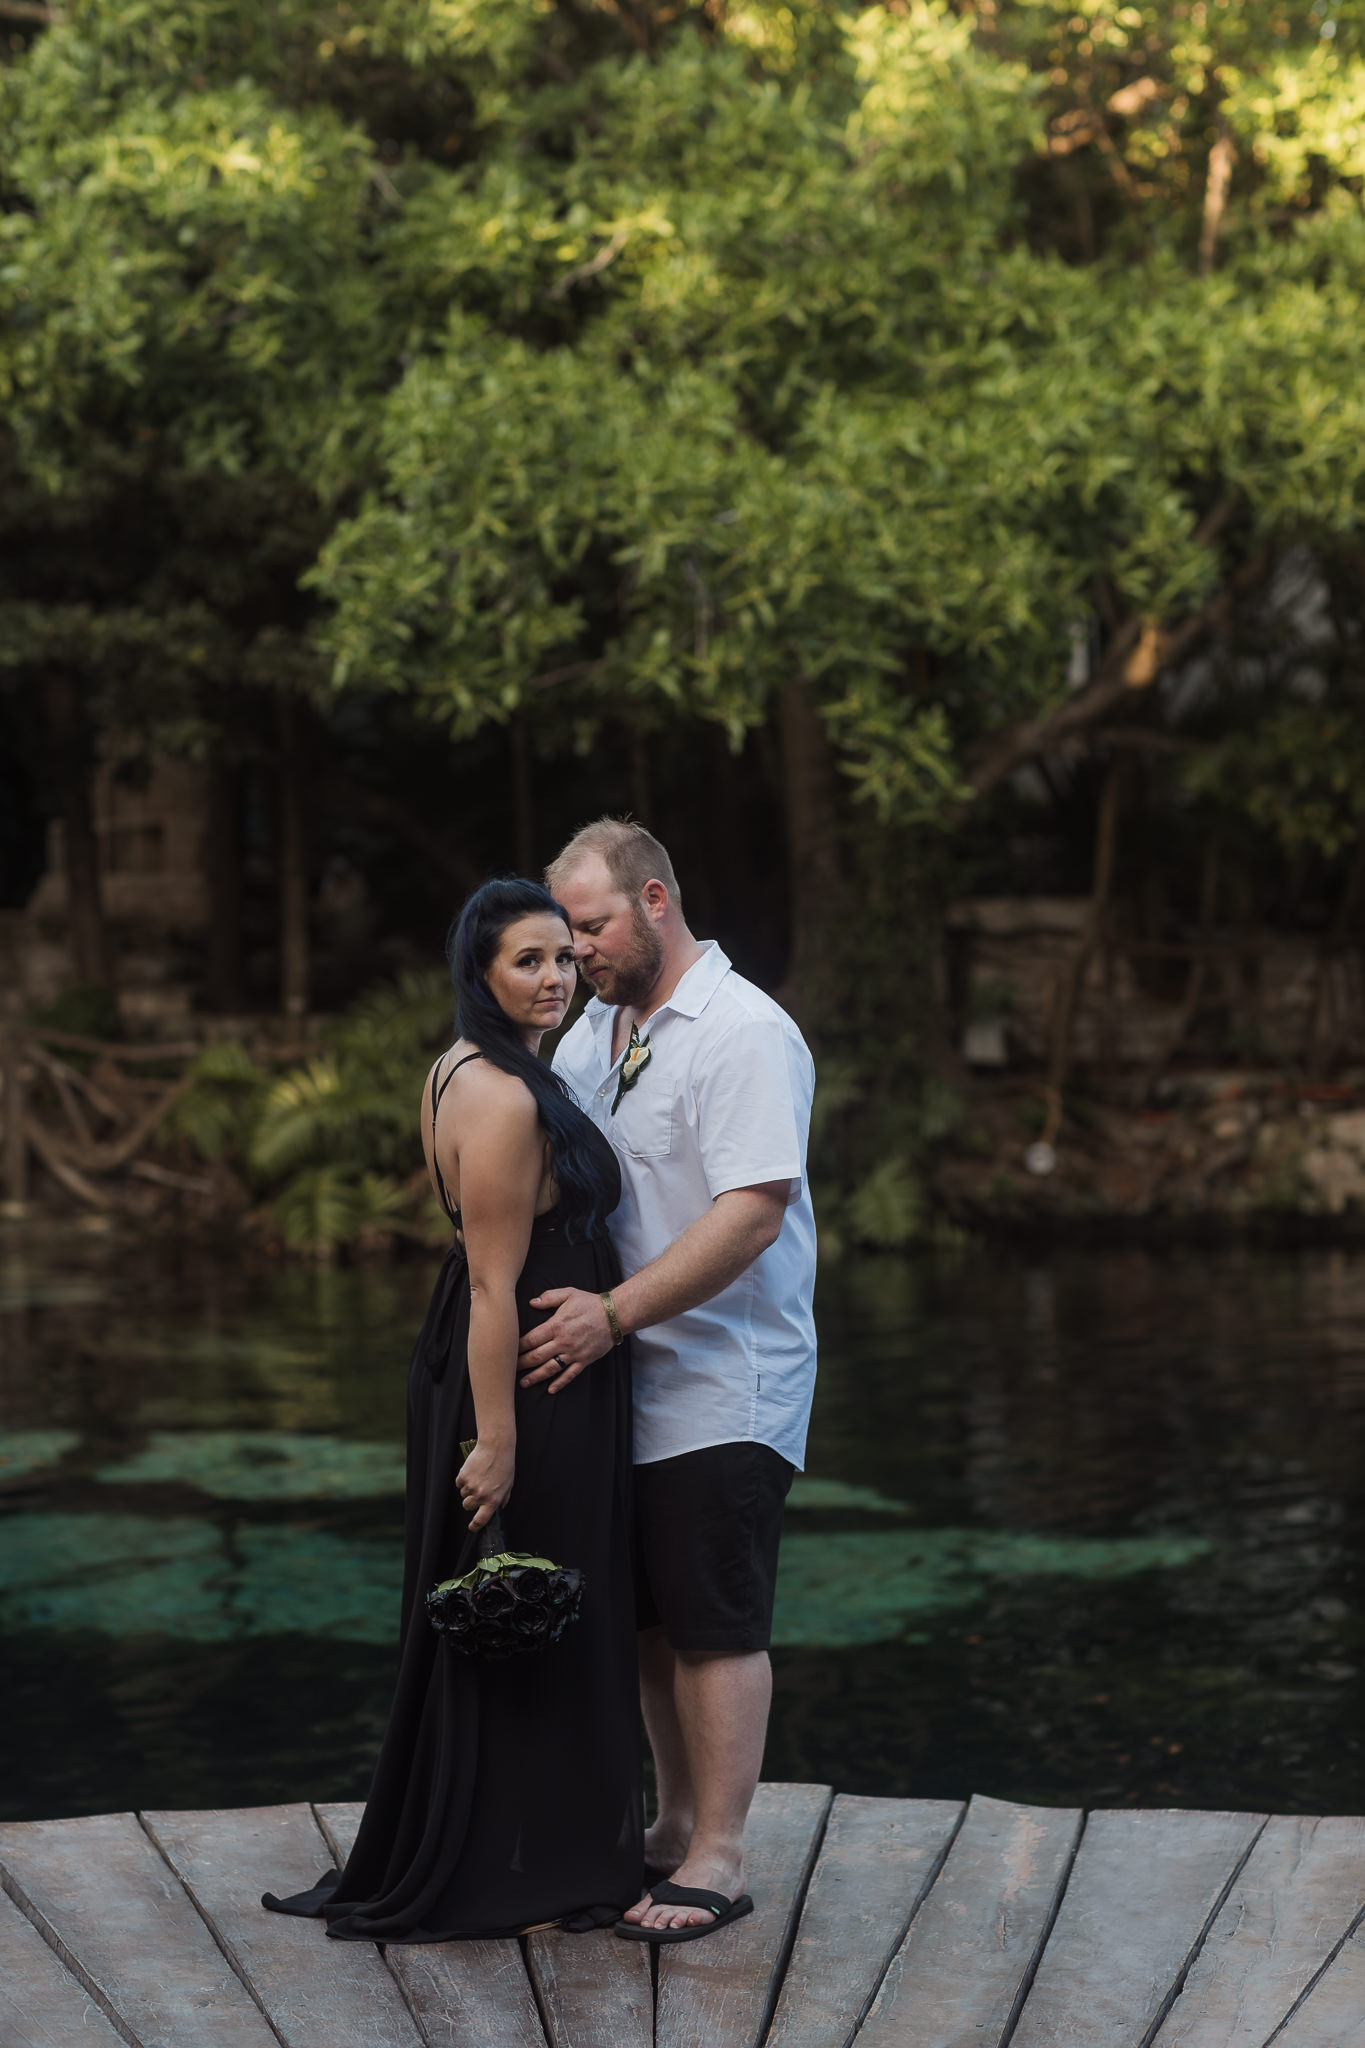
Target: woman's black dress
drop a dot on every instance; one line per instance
(508, 1793)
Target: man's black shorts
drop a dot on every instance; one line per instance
(707, 1529)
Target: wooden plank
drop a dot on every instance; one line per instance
(1333, 2014)
(1300, 1891)
(958, 1975)
(876, 1864)
(595, 1991)
(316, 1993)
(469, 1994)
(718, 1993)
(466, 1994)
(121, 1921)
(41, 2004)
(1143, 1892)
(339, 1820)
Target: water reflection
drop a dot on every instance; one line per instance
(193, 1580)
(180, 1576)
(1082, 1528)
(262, 1464)
(29, 1450)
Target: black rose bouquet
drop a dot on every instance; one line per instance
(508, 1602)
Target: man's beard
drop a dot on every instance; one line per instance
(630, 980)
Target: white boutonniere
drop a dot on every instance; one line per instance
(639, 1053)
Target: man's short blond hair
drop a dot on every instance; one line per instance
(631, 855)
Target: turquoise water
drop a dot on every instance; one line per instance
(1084, 1527)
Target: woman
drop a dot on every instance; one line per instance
(507, 1794)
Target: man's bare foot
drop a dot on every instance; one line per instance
(665, 1846)
(712, 1873)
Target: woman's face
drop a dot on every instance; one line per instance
(532, 974)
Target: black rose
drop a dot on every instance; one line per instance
(530, 1584)
(459, 1615)
(447, 1608)
(494, 1599)
(529, 1622)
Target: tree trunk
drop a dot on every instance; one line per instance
(351, 800)
(69, 734)
(293, 863)
(641, 796)
(1193, 1000)
(1324, 1031)
(16, 1143)
(814, 870)
(223, 859)
(1068, 995)
(523, 796)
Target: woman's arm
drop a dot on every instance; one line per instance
(501, 1159)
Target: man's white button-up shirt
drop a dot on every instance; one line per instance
(723, 1103)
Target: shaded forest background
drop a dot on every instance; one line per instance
(902, 453)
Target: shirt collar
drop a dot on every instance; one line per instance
(688, 999)
(699, 984)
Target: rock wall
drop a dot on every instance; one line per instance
(1265, 995)
(1225, 1150)
(155, 895)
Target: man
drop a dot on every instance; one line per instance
(703, 1085)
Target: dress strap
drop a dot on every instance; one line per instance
(436, 1094)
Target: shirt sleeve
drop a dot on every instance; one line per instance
(748, 1129)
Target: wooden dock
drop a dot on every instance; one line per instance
(908, 1923)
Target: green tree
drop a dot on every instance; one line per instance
(754, 366)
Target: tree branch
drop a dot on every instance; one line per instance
(112, 1155)
(568, 674)
(77, 1042)
(1222, 156)
(1140, 649)
(608, 253)
(60, 1076)
(60, 1168)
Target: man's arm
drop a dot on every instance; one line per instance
(713, 1251)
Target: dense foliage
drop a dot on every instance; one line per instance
(790, 342)
(327, 1144)
(950, 374)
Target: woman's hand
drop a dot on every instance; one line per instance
(484, 1481)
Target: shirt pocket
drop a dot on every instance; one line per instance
(645, 1127)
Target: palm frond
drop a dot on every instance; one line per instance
(302, 1109)
(218, 1110)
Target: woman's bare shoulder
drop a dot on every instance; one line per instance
(486, 1092)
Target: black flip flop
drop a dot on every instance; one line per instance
(670, 1894)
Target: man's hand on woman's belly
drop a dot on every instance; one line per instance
(710, 1254)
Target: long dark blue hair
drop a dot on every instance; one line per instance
(471, 946)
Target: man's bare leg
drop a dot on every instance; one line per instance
(720, 1709)
(667, 1839)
